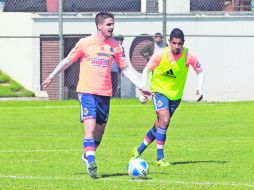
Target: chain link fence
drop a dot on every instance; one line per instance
(120, 85)
(49, 45)
(150, 6)
(72, 6)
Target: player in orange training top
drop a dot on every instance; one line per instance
(94, 88)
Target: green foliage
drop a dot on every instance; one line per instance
(4, 78)
(210, 146)
(10, 88)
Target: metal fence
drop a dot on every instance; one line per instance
(120, 6)
(136, 51)
(60, 45)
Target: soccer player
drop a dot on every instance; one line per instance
(94, 87)
(166, 74)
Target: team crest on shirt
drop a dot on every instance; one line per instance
(159, 103)
(85, 111)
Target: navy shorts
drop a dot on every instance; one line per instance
(94, 107)
(161, 102)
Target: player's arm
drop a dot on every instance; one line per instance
(64, 64)
(131, 74)
(200, 90)
(128, 70)
(193, 61)
(146, 81)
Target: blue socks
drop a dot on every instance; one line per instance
(160, 141)
(89, 146)
(150, 137)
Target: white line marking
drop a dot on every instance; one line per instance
(17, 151)
(203, 183)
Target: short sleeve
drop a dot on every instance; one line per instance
(155, 60)
(77, 51)
(193, 61)
(120, 58)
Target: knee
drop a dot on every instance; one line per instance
(164, 122)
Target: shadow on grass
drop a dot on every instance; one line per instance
(113, 175)
(200, 162)
(124, 174)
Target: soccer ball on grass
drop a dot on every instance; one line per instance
(138, 168)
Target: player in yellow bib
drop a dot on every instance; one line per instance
(166, 74)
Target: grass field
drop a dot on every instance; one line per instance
(210, 146)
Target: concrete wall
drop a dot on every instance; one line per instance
(175, 6)
(16, 54)
(223, 43)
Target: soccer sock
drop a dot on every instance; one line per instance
(89, 146)
(160, 141)
(150, 137)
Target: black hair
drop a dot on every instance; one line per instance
(176, 33)
(99, 18)
(157, 34)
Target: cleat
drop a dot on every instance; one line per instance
(86, 162)
(92, 170)
(135, 153)
(162, 163)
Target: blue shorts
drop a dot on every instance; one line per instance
(161, 102)
(94, 107)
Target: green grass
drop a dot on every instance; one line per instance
(210, 146)
(10, 88)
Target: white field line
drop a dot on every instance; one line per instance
(201, 183)
(27, 151)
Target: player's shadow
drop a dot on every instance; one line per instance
(105, 175)
(199, 162)
(113, 175)
(123, 174)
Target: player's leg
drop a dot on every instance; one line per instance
(164, 118)
(88, 117)
(150, 135)
(102, 113)
(89, 140)
(99, 131)
(149, 138)
(164, 115)
(161, 107)
(93, 136)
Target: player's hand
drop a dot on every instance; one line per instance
(200, 96)
(146, 93)
(46, 82)
(142, 99)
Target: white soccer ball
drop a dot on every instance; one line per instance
(138, 168)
